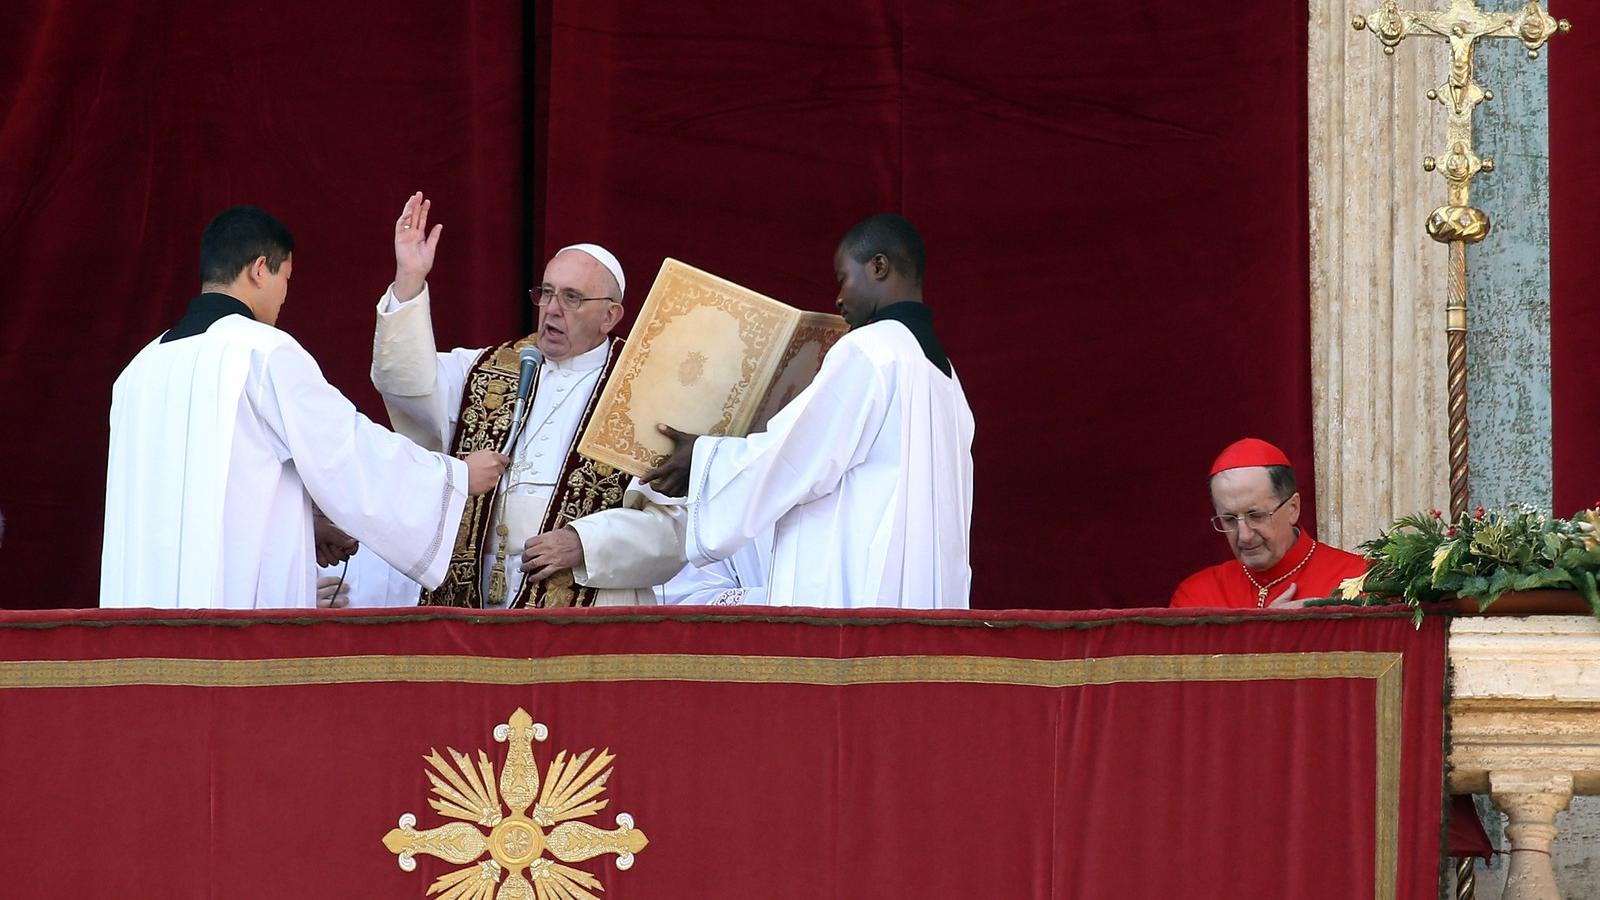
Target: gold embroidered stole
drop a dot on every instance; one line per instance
(583, 487)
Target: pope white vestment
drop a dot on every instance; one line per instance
(424, 391)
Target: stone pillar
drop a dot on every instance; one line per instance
(1508, 288)
(1531, 800)
(1377, 279)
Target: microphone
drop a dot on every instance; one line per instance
(530, 359)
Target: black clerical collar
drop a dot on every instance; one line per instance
(918, 319)
(205, 310)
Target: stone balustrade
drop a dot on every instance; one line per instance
(1525, 729)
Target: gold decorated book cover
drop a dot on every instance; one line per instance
(706, 356)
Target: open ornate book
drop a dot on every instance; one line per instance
(706, 356)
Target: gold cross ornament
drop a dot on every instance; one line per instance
(1463, 25)
(1458, 223)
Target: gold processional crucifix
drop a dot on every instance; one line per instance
(1457, 223)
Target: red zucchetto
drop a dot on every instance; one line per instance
(1249, 452)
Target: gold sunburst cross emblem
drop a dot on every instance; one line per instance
(519, 840)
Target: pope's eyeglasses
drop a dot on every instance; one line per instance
(570, 299)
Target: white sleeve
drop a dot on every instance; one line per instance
(741, 579)
(638, 545)
(740, 487)
(421, 387)
(400, 501)
(712, 585)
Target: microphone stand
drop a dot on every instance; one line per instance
(530, 361)
(497, 509)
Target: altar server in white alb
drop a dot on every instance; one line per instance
(223, 435)
(866, 476)
(463, 399)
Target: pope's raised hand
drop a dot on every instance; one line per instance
(484, 468)
(413, 247)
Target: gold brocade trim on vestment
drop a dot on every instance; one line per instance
(1383, 669)
(583, 486)
(483, 423)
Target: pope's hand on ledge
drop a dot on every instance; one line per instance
(546, 554)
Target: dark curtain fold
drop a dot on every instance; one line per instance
(1574, 266)
(1113, 199)
(125, 126)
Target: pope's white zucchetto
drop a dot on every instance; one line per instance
(605, 258)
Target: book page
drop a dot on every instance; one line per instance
(813, 337)
(700, 358)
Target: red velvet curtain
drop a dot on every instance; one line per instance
(1574, 265)
(1113, 198)
(125, 126)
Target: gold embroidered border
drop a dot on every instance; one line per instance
(1386, 860)
(1383, 668)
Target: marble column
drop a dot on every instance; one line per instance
(1377, 279)
(1508, 288)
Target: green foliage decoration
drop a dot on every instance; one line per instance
(1424, 558)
